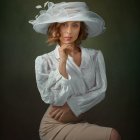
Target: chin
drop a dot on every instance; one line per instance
(69, 42)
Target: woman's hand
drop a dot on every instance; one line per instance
(63, 51)
(63, 114)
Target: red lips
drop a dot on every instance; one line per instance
(68, 38)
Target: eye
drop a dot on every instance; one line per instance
(75, 25)
(64, 24)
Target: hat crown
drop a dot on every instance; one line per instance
(66, 8)
(67, 5)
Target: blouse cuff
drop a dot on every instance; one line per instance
(74, 106)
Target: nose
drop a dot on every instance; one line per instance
(69, 30)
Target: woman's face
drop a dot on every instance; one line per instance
(69, 32)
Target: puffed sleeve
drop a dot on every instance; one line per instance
(82, 103)
(53, 87)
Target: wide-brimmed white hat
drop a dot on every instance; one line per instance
(68, 11)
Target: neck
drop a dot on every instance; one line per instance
(74, 51)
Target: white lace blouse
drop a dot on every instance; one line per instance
(85, 86)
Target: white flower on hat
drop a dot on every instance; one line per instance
(38, 6)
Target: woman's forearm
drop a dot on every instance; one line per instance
(62, 68)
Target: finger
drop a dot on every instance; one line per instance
(61, 117)
(67, 46)
(58, 115)
(53, 114)
(53, 108)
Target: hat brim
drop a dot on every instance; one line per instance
(94, 28)
(95, 24)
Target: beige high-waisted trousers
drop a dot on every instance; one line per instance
(51, 129)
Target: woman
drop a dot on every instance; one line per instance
(70, 78)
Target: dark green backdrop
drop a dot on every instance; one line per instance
(22, 107)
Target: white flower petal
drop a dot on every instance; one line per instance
(38, 6)
(45, 4)
(36, 16)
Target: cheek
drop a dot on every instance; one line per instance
(76, 33)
